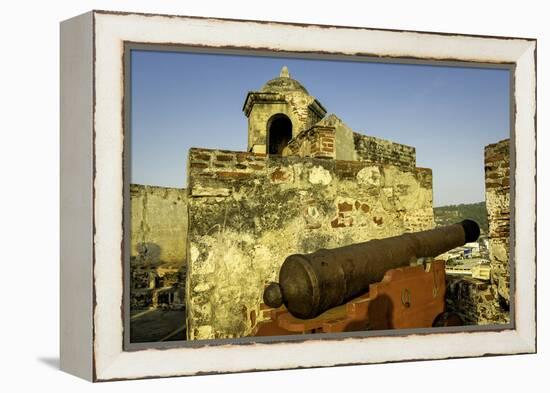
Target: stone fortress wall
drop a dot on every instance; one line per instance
(249, 211)
(497, 196)
(158, 223)
(320, 141)
(158, 242)
(307, 181)
(327, 186)
(481, 302)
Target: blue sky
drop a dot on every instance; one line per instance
(182, 100)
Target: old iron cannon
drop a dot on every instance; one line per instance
(310, 284)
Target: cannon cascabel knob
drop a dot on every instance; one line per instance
(273, 296)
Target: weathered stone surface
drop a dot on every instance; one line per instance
(497, 196)
(476, 301)
(158, 224)
(280, 96)
(317, 142)
(343, 135)
(369, 148)
(158, 241)
(237, 242)
(331, 138)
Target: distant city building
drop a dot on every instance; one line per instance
(474, 267)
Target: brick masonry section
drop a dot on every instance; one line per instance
(478, 302)
(315, 142)
(373, 149)
(497, 195)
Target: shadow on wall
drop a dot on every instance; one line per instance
(380, 313)
(148, 253)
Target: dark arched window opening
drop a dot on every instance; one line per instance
(279, 133)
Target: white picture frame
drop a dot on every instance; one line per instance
(92, 177)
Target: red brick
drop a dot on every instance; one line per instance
(242, 157)
(493, 175)
(233, 175)
(336, 223)
(345, 207)
(201, 156)
(224, 157)
(346, 174)
(496, 157)
(256, 157)
(280, 175)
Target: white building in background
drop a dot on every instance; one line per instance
(475, 267)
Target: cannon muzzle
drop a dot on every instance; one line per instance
(310, 284)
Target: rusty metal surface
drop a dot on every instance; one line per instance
(313, 283)
(408, 297)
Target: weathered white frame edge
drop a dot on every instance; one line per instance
(109, 361)
(76, 193)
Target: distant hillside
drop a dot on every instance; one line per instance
(446, 215)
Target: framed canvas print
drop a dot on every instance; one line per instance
(247, 195)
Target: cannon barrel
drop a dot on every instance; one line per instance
(310, 284)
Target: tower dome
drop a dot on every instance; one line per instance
(278, 112)
(283, 83)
